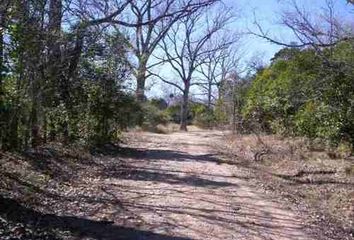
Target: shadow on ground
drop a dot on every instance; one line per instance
(80, 227)
(137, 168)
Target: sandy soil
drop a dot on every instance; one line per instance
(176, 188)
(155, 187)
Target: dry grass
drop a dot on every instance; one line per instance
(160, 128)
(310, 175)
(168, 128)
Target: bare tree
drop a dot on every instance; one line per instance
(184, 50)
(148, 22)
(217, 66)
(319, 31)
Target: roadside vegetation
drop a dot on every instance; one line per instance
(315, 180)
(75, 75)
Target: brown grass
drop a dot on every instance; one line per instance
(160, 128)
(310, 175)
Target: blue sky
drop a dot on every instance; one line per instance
(268, 14)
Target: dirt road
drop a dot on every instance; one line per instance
(175, 187)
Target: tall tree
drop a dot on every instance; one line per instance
(4, 6)
(184, 50)
(217, 66)
(41, 43)
(64, 54)
(148, 22)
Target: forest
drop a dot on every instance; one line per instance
(89, 79)
(67, 73)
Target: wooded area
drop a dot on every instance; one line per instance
(67, 67)
(82, 73)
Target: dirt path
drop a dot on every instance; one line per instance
(176, 188)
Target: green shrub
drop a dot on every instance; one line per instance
(316, 120)
(300, 94)
(153, 116)
(174, 113)
(202, 116)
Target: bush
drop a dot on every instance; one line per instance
(300, 95)
(316, 120)
(202, 116)
(174, 113)
(153, 117)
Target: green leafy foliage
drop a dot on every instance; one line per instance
(198, 114)
(202, 116)
(306, 93)
(153, 116)
(68, 101)
(174, 113)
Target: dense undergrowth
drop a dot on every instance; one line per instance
(305, 93)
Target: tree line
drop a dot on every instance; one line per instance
(67, 66)
(308, 89)
(77, 70)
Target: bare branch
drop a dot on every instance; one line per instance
(325, 34)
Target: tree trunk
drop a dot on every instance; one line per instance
(34, 79)
(234, 116)
(234, 110)
(184, 110)
(54, 32)
(30, 58)
(140, 88)
(56, 76)
(34, 124)
(1, 83)
(209, 95)
(53, 43)
(209, 104)
(141, 79)
(2, 25)
(1, 62)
